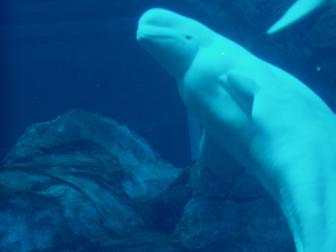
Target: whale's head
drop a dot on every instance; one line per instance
(172, 39)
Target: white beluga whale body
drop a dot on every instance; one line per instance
(296, 12)
(268, 120)
(172, 42)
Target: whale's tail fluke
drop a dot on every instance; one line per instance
(296, 12)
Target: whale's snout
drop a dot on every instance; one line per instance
(158, 17)
(157, 23)
(150, 25)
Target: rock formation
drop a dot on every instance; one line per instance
(82, 182)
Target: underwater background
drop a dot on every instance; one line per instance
(60, 55)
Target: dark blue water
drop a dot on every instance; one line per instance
(59, 55)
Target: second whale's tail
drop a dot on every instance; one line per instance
(296, 12)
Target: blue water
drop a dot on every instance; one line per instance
(56, 56)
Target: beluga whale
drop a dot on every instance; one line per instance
(260, 115)
(296, 12)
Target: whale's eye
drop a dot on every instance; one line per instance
(188, 37)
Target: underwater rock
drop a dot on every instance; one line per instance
(97, 146)
(81, 182)
(240, 218)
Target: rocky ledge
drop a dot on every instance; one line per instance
(82, 182)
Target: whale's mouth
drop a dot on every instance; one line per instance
(154, 33)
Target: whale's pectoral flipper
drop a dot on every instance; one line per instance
(242, 88)
(296, 12)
